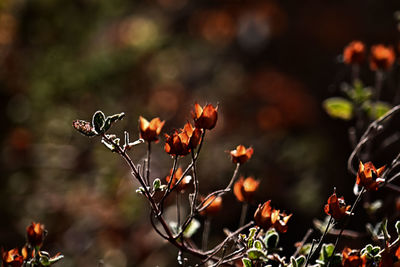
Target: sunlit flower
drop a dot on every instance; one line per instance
(205, 118)
(149, 131)
(35, 233)
(368, 176)
(241, 154)
(182, 142)
(266, 217)
(336, 207)
(178, 175)
(213, 204)
(193, 133)
(12, 258)
(244, 189)
(352, 258)
(354, 53)
(382, 57)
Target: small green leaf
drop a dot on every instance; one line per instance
(271, 239)
(258, 245)
(377, 109)
(250, 239)
(98, 121)
(247, 262)
(338, 107)
(326, 251)
(157, 184)
(255, 254)
(56, 258)
(293, 262)
(301, 261)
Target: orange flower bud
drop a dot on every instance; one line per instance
(178, 175)
(244, 189)
(266, 217)
(336, 207)
(241, 154)
(205, 118)
(194, 135)
(213, 204)
(149, 131)
(354, 53)
(35, 233)
(12, 258)
(183, 142)
(382, 57)
(352, 258)
(369, 177)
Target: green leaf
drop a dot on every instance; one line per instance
(255, 254)
(301, 261)
(98, 121)
(192, 228)
(258, 245)
(384, 229)
(247, 262)
(271, 239)
(250, 239)
(157, 184)
(111, 119)
(338, 107)
(326, 251)
(377, 109)
(293, 262)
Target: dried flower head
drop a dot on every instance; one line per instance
(266, 217)
(244, 189)
(149, 131)
(336, 207)
(352, 258)
(213, 205)
(35, 234)
(177, 144)
(241, 154)
(205, 118)
(193, 133)
(12, 258)
(382, 57)
(368, 176)
(354, 53)
(178, 175)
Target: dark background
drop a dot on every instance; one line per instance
(267, 64)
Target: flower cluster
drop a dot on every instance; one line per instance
(369, 177)
(381, 58)
(267, 217)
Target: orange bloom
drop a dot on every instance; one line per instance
(368, 176)
(149, 131)
(352, 258)
(244, 189)
(336, 207)
(193, 133)
(354, 53)
(177, 144)
(178, 175)
(266, 217)
(35, 233)
(12, 258)
(205, 118)
(241, 154)
(213, 208)
(382, 57)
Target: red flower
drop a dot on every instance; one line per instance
(266, 217)
(181, 143)
(35, 233)
(213, 204)
(12, 258)
(178, 175)
(352, 258)
(354, 53)
(149, 131)
(244, 189)
(241, 154)
(205, 118)
(368, 176)
(336, 207)
(382, 57)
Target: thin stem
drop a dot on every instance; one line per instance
(169, 189)
(345, 224)
(178, 209)
(243, 214)
(195, 184)
(148, 163)
(320, 241)
(206, 233)
(311, 251)
(303, 241)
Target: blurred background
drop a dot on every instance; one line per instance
(267, 64)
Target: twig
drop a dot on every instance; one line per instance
(303, 241)
(148, 163)
(320, 241)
